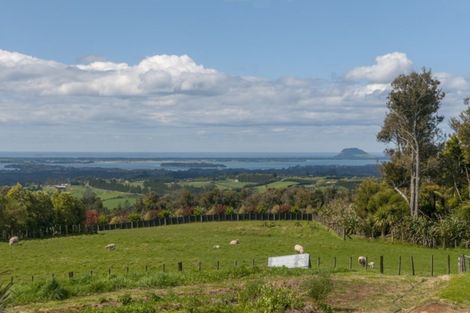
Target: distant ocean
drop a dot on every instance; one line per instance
(245, 160)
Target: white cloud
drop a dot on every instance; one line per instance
(175, 95)
(386, 68)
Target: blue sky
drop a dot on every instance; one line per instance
(233, 75)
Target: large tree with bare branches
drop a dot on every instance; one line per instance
(412, 125)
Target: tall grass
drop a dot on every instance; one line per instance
(4, 293)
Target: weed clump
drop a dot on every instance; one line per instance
(318, 288)
(54, 291)
(259, 297)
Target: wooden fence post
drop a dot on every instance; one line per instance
(334, 262)
(180, 266)
(399, 265)
(381, 264)
(163, 267)
(448, 264)
(350, 263)
(253, 262)
(218, 265)
(199, 266)
(412, 266)
(432, 265)
(318, 262)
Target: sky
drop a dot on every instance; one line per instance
(218, 75)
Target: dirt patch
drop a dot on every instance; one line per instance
(437, 308)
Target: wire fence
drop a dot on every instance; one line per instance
(68, 230)
(401, 265)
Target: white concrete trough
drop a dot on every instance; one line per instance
(290, 261)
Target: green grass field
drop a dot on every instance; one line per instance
(191, 243)
(221, 184)
(149, 248)
(111, 199)
(277, 185)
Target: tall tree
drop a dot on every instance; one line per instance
(411, 124)
(461, 126)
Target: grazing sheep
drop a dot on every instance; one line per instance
(371, 264)
(299, 249)
(235, 242)
(111, 247)
(216, 247)
(14, 240)
(362, 260)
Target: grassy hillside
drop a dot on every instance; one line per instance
(111, 199)
(137, 263)
(192, 243)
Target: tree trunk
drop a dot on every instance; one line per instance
(468, 179)
(412, 185)
(457, 189)
(417, 182)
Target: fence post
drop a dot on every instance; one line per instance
(163, 267)
(432, 265)
(318, 262)
(199, 266)
(253, 262)
(412, 266)
(109, 272)
(218, 264)
(334, 262)
(399, 265)
(381, 264)
(448, 264)
(180, 266)
(350, 263)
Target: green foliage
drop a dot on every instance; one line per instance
(52, 290)
(133, 217)
(319, 287)
(125, 299)
(4, 293)
(262, 297)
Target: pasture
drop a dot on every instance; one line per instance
(193, 243)
(111, 199)
(141, 254)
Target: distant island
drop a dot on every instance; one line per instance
(191, 165)
(353, 153)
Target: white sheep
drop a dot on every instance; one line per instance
(299, 249)
(362, 260)
(216, 247)
(235, 242)
(111, 247)
(371, 264)
(14, 240)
